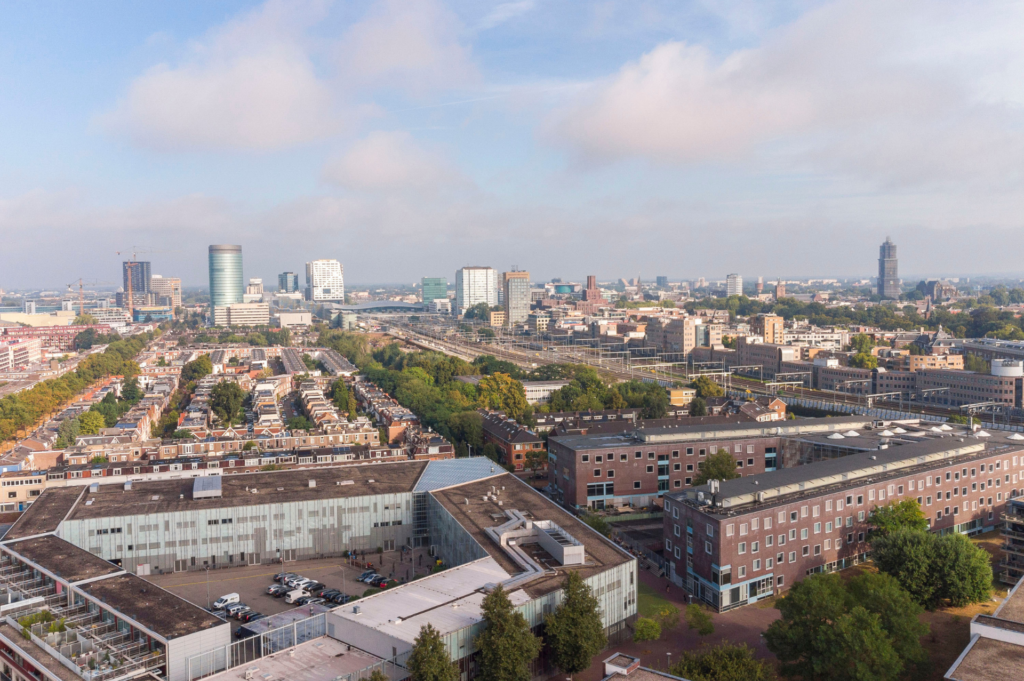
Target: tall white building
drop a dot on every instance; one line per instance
(325, 280)
(475, 285)
(734, 285)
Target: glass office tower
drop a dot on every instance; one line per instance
(225, 275)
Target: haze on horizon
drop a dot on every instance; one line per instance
(409, 138)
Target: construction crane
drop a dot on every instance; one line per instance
(131, 265)
(81, 291)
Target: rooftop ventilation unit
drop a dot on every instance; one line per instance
(207, 487)
(94, 487)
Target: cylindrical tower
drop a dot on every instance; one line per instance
(225, 275)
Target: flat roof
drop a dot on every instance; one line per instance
(449, 472)
(851, 469)
(275, 487)
(46, 513)
(62, 558)
(477, 515)
(698, 431)
(989, 660)
(158, 610)
(37, 654)
(316, 660)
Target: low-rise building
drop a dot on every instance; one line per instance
(514, 440)
(242, 314)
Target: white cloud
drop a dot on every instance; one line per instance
(391, 161)
(410, 44)
(504, 12)
(898, 93)
(250, 84)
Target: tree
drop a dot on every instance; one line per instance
(302, 423)
(907, 555)
(429, 659)
(378, 674)
(698, 407)
(720, 466)
(91, 422)
(887, 519)
(67, 432)
(706, 387)
(574, 631)
(352, 408)
(504, 393)
(196, 369)
(598, 523)
(339, 394)
(646, 630)
(226, 400)
(85, 320)
(863, 360)
(962, 570)
(249, 445)
(867, 631)
(861, 344)
(699, 619)
(536, 459)
(182, 434)
(975, 363)
(507, 646)
(724, 662)
(130, 391)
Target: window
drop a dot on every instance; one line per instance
(769, 540)
(611, 474)
(817, 549)
(757, 565)
(743, 529)
(768, 563)
(754, 546)
(597, 472)
(677, 466)
(742, 548)
(623, 457)
(650, 469)
(792, 556)
(729, 530)
(689, 451)
(707, 547)
(792, 535)
(739, 463)
(638, 455)
(817, 528)
(636, 484)
(585, 458)
(743, 571)
(849, 538)
(597, 459)
(782, 540)
(650, 455)
(750, 462)
(805, 551)
(779, 581)
(860, 536)
(793, 516)
(803, 533)
(675, 453)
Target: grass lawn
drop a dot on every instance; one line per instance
(649, 602)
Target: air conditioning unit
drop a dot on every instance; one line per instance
(251, 672)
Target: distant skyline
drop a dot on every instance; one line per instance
(407, 138)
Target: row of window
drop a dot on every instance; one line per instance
(702, 451)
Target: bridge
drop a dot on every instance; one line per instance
(386, 305)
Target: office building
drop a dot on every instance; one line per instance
(475, 285)
(242, 314)
(166, 291)
(734, 285)
(434, 288)
(139, 273)
(738, 541)
(253, 291)
(516, 287)
(325, 281)
(225, 275)
(287, 282)
(888, 272)
(767, 327)
(661, 281)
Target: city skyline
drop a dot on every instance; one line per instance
(527, 129)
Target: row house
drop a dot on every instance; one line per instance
(736, 542)
(513, 440)
(317, 407)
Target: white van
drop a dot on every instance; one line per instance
(293, 596)
(224, 601)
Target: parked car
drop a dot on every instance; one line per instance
(303, 600)
(387, 583)
(258, 616)
(295, 595)
(365, 575)
(315, 588)
(340, 599)
(378, 580)
(225, 600)
(277, 590)
(238, 614)
(233, 608)
(328, 594)
(250, 616)
(284, 576)
(369, 578)
(297, 582)
(315, 601)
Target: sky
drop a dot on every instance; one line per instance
(408, 138)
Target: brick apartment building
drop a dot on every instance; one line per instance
(60, 338)
(770, 356)
(738, 541)
(513, 440)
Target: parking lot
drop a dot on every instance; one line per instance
(250, 582)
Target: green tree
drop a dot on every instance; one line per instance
(720, 466)
(67, 432)
(302, 423)
(724, 662)
(131, 392)
(91, 422)
(706, 387)
(536, 459)
(85, 320)
(975, 363)
(962, 570)
(226, 400)
(339, 394)
(249, 445)
(908, 555)
(863, 360)
(574, 631)
(507, 646)
(597, 523)
(352, 408)
(698, 407)
(646, 629)
(895, 515)
(429, 659)
(196, 369)
(861, 344)
(378, 674)
(183, 434)
(504, 393)
(699, 619)
(898, 614)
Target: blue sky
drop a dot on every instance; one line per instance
(408, 138)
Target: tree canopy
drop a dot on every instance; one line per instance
(226, 400)
(706, 387)
(724, 662)
(574, 631)
(429, 659)
(196, 369)
(507, 646)
(885, 520)
(720, 466)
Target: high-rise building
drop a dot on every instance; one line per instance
(516, 287)
(734, 285)
(888, 272)
(325, 281)
(140, 276)
(166, 291)
(225, 275)
(434, 288)
(288, 282)
(475, 285)
(661, 281)
(254, 291)
(767, 327)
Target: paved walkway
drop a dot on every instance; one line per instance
(743, 625)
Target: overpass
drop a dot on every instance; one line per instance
(384, 305)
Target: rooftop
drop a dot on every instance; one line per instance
(316, 660)
(36, 653)
(46, 513)
(466, 505)
(63, 559)
(169, 496)
(159, 611)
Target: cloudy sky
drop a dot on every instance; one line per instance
(407, 138)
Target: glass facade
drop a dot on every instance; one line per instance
(434, 288)
(225, 275)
